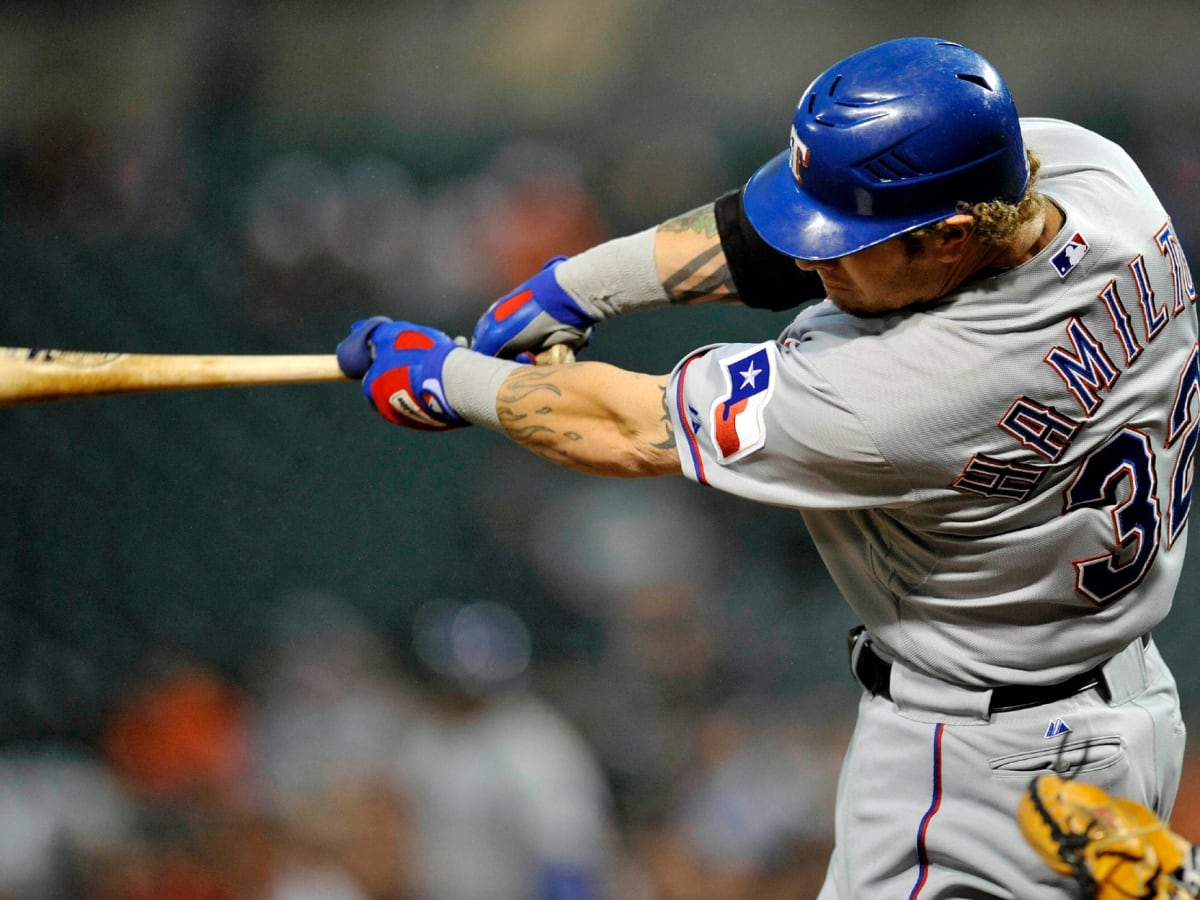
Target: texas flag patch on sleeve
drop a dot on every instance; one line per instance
(737, 415)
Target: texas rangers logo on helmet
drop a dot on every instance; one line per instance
(800, 155)
(737, 416)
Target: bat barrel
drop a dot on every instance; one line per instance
(30, 375)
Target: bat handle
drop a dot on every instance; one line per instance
(556, 355)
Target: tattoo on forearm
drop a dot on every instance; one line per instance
(668, 442)
(521, 385)
(567, 417)
(528, 428)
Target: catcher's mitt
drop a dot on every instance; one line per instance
(1115, 849)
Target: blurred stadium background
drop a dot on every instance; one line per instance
(200, 592)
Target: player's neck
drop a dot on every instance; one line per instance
(1029, 240)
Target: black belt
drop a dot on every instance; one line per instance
(874, 674)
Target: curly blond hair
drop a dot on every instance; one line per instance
(996, 221)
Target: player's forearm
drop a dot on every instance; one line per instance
(591, 417)
(680, 261)
(709, 253)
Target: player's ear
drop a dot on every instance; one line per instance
(951, 237)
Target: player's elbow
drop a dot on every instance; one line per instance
(633, 447)
(640, 459)
(607, 450)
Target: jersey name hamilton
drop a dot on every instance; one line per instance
(1017, 453)
(1088, 372)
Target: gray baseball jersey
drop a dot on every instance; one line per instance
(999, 482)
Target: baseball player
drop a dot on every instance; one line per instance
(988, 424)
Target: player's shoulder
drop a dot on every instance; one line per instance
(1067, 147)
(1047, 130)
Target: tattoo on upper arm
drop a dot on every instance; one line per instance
(701, 220)
(703, 274)
(696, 280)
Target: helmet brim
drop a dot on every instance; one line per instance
(797, 226)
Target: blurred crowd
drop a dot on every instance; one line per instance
(348, 769)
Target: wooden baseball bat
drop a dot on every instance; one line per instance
(29, 375)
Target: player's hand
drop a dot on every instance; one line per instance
(530, 318)
(401, 369)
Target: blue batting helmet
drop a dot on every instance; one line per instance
(886, 141)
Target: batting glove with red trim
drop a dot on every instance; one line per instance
(401, 367)
(531, 318)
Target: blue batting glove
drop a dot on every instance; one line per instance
(354, 353)
(403, 374)
(532, 317)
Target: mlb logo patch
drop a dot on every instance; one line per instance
(737, 416)
(1072, 252)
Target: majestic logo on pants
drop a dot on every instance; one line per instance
(737, 416)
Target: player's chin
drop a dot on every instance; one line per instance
(867, 307)
(849, 303)
(839, 295)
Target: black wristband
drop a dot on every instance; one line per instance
(764, 277)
